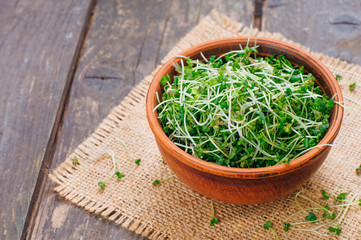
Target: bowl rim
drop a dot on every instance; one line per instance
(244, 173)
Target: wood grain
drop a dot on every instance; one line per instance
(38, 43)
(126, 41)
(331, 27)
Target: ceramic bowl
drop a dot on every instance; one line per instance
(246, 185)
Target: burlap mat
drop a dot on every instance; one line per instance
(174, 211)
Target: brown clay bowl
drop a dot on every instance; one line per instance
(246, 185)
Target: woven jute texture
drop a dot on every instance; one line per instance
(172, 210)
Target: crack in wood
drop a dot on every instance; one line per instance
(103, 78)
(51, 147)
(140, 55)
(257, 16)
(199, 11)
(345, 19)
(162, 36)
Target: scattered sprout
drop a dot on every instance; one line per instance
(214, 220)
(358, 170)
(157, 182)
(111, 153)
(137, 161)
(338, 77)
(311, 217)
(333, 213)
(335, 230)
(101, 185)
(268, 225)
(119, 175)
(324, 194)
(341, 197)
(352, 86)
(75, 161)
(286, 226)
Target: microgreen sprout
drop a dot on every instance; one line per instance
(75, 161)
(358, 170)
(157, 182)
(311, 217)
(101, 185)
(327, 224)
(242, 110)
(119, 175)
(116, 169)
(214, 220)
(341, 197)
(338, 77)
(335, 230)
(136, 160)
(352, 86)
(324, 194)
(268, 225)
(286, 226)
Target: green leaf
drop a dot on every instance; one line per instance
(286, 226)
(327, 215)
(324, 194)
(213, 221)
(101, 185)
(358, 170)
(75, 161)
(267, 225)
(295, 78)
(335, 230)
(330, 104)
(119, 175)
(341, 197)
(352, 86)
(338, 77)
(311, 217)
(164, 80)
(137, 161)
(156, 182)
(288, 91)
(326, 206)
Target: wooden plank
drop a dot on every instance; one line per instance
(332, 27)
(127, 40)
(38, 42)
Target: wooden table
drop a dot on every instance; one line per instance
(65, 64)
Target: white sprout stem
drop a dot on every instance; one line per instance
(126, 147)
(344, 213)
(352, 100)
(308, 149)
